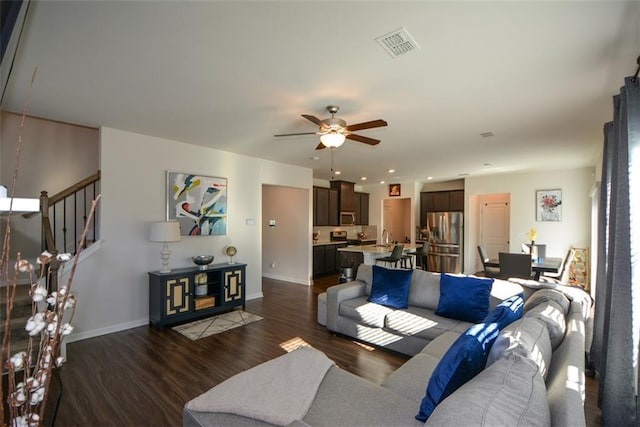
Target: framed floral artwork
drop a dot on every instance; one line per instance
(548, 205)
(198, 203)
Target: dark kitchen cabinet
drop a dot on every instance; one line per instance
(456, 201)
(325, 206)
(362, 208)
(318, 260)
(326, 259)
(440, 201)
(334, 213)
(346, 191)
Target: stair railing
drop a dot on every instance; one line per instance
(63, 219)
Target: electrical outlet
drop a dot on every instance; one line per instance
(273, 265)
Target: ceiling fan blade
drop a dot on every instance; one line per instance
(367, 125)
(364, 139)
(321, 146)
(294, 134)
(315, 120)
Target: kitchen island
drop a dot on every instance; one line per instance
(352, 256)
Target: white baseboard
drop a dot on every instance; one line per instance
(255, 296)
(108, 330)
(287, 279)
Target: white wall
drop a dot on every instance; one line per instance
(53, 156)
(112, 285)
(285, 246)
(378, 193)
(573, 230)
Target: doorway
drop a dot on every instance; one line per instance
(396, 219)
(494, 223)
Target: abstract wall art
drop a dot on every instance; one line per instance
(198, 203)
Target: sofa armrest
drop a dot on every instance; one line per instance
(338, 293)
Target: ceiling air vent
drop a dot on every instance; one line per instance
(398, 42)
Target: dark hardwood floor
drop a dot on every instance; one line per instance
(143, 377)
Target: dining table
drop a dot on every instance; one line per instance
(538, 265)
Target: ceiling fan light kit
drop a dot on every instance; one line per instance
(333, 131)
(332, 139)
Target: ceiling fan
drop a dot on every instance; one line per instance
(334, 130)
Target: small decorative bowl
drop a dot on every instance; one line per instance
(202, 261)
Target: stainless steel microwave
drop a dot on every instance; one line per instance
(347, 218)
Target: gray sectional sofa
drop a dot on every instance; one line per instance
(534, 372)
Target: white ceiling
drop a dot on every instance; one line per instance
(229, 75)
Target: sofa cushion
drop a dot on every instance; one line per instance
(364, 312)
(421, 322)
(409, 379)
(506, 312)
(463, 361)
(501, 290)
(345, 399)
(510, 392)
(544, 295)
(390, 287)
(425, 289)
(527, 337)
(439, 346)
(464, 297)
(365, 275)
(553, 316)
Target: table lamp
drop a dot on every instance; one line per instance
(165, 232)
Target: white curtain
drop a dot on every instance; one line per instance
(616, 341)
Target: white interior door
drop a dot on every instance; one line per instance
(494, 227)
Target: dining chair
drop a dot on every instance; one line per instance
(562, 276)
(488, 270)
(396, 255)
(422, 256)
(515, 265)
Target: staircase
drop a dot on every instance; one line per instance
(63, 219)
(21, 313)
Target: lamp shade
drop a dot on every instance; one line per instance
(165, 231)
(332, 139)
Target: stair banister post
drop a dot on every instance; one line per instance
(49, 243)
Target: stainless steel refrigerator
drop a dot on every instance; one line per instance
(445, 241)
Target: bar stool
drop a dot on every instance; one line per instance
(422, 256)
(396, 255)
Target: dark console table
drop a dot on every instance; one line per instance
(173, 298)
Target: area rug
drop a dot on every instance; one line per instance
(216, 324)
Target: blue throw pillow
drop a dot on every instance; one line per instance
(507, 312)
(465, 359)
(464, 297)
(390, 287)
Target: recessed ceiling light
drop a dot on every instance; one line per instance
(429, 177)
(363, 178)
(391, 170)
(381, 182)
(337, 172)
(315, 157)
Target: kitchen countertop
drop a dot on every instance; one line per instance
(328, 242)
(377, 250)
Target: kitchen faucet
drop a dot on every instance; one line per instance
(385, 237)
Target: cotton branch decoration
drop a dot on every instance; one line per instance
(28, 373)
